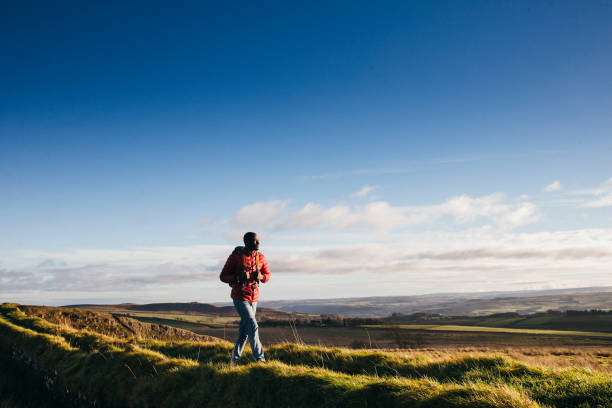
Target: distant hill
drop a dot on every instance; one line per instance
(588, 321)
(193, 308)
(471, 304)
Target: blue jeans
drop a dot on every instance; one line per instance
(248, 330)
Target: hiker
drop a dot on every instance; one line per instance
(244, 269)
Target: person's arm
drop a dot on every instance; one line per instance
(227, 273)
(264, 274)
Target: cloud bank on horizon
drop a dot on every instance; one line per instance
(463, 244)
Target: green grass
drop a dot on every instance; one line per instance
(563, 388)
(143, 372)
(449, 327)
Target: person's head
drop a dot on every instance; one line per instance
(251, 241)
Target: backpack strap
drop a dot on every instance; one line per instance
(256, 268)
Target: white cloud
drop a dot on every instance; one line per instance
(365, 191)
(382, 216)
(523, 214)
(506, 216)
(260, 213)
(554, 186)
(466, 209)
(312, 215)
(603, 201)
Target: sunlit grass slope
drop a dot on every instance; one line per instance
(140, 372)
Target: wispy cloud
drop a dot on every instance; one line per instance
(603, 201)
(525, 253)
(603, 188)
(494, 156)
(359, 172)
(554, 186)
(601, 196)
(427, 164)
(365, 191)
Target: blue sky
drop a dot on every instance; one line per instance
(138, 142)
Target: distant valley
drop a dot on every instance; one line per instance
(464, 304)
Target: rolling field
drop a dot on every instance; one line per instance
(89, 368)
(449, 327)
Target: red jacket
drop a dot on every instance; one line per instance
(233, 267)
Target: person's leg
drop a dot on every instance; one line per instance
(241, 339)
(253, 330)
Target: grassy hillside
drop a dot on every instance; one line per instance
(110, 324)
(88, 367)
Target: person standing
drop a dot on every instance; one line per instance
(244, 269)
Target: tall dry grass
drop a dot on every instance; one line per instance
(597, 358)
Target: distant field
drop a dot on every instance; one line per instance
(491, 330)
(577, 321)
